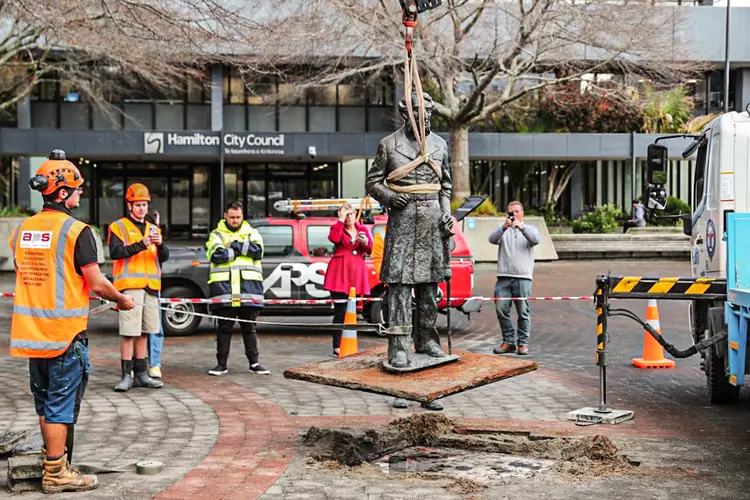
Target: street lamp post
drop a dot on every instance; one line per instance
(726, 63)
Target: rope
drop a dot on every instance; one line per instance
(363, 327)
(412, 81)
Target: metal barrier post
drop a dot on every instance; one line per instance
(602, 339)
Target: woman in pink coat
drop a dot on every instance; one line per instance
(347, 268)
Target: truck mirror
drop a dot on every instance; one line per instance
(657, 164)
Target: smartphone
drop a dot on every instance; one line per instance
(511, 216)
(154, 230)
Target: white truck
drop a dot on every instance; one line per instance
(719, 228)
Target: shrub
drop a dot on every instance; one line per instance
(675, 206)
(602, 219)
(550, 214)
(15, 212)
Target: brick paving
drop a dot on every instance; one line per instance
(235, 436)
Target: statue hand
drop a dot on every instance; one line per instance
(446, 224)
(399, 201)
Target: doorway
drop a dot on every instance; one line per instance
(179, 192)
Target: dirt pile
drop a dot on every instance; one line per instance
(584, 457)
(351, 447)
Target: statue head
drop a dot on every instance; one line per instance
(428, 107)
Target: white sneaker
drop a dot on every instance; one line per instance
(154, 372)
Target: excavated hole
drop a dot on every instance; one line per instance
(427, 446)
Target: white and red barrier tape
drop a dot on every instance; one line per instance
(188, 300)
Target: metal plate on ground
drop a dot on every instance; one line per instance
(595, 417)
(364, 372)
(420, 362)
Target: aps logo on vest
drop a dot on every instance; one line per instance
(36, 239)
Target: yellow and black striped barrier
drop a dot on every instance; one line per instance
(639, 287)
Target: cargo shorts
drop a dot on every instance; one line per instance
(58, 383)
(143, 318)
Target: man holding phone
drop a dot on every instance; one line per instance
(515, 269)
(137, 251)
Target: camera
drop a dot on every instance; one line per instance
(511, 216)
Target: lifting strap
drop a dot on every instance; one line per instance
(412, 82)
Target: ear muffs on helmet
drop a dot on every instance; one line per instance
(54, 173)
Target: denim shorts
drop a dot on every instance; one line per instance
(58, 384)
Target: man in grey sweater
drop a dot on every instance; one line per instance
(515, 269)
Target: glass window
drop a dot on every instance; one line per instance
(322, 96)
(45, 91)
(261, 94)
(381, 95)
(277, 240)
(236, 89)
(352, 95)
(700, 171)
(290, 95)
(318, 244)
(201, 202)
(196, 91)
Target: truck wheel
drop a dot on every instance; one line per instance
(178, 318)
(719, 388)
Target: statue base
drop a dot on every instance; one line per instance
(421, 362)
(364, 372)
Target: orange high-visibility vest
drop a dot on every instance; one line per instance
(141, 270)
(51, 305)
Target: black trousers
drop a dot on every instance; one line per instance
(339, 311)
(249, 332)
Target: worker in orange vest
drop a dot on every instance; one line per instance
(55, 258)
(137, 251)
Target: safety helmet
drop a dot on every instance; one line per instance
(54, 173)
(137, 192)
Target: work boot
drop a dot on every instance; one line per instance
(432, 349)
(433, 406)
(59, 476)
(127, 376)
(141, 376)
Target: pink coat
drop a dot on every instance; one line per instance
(347, 267)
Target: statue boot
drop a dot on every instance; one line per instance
(399, 345)
(427, 343)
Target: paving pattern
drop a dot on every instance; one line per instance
(235, 436)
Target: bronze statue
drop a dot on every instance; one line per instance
(416, 190)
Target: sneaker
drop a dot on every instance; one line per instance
(335, 353)
(523, 350)
(154, 372)
(258, 369)
(218, 370)
(504, 348)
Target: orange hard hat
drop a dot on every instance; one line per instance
(54, 173)
(137, 192)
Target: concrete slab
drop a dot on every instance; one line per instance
(364, 372)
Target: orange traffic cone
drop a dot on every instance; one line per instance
(349, 337)
(653, 352)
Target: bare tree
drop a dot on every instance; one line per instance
(100, 45)
(482, 55)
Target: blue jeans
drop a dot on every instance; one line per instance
(156, 343)
(58, 383)
(513, 287)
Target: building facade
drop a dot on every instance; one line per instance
(204, 145)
